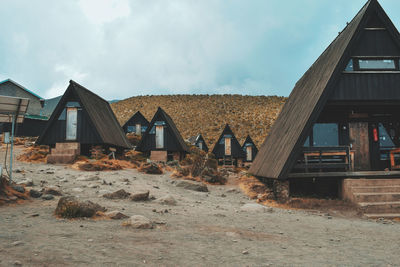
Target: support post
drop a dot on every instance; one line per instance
(12, 147)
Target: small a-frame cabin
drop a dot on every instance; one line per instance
(342, 119)
(199, 142)
(250, 150)
(227, 149)
(81, 121)
(136, 124)
(162, 140)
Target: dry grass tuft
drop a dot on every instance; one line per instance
(252, 187)
(103, 165)
(10, 195)
(35, 154)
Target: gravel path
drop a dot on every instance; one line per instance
(203, 229)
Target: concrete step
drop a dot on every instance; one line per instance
(60, 159)
(58, 151)
(377, 197)
(388, 216)
(375, 189)
(380, 207)
(372, 182)
(71, 145)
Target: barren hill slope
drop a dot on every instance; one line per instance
(208, 114)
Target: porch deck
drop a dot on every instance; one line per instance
(348, 174)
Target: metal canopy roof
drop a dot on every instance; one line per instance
(13, 106)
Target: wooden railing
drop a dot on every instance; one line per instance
(326, 158)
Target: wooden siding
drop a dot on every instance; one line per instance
(137, 118)
(368, 86)
(282, 146)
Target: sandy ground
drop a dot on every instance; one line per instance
(203, 229)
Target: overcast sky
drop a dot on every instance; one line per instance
(122, 48)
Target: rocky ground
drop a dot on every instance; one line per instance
(221, 227)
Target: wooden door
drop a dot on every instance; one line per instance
(249, 153)
(138, 129)
(359, 142)
(160, 136)
(228, 151)
(72, 124)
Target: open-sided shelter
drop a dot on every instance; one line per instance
(80, 121)
(250, 150)
(136, 124)
(342, 119)
(227, 149)
(162, 140)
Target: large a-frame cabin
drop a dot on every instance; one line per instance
(162, 140)
(227, 149)
(81, 121)
(136, 124)
(342, 119)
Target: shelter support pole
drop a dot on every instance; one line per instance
(12, 147)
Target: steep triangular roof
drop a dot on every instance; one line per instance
(174, 130)
(236, 148)
(199, 138)
(249, 141)
(99, 111)
(279, 151)
(138, 116)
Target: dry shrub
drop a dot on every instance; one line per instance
(10, 195)
(34, 154)
(135, 156)
(133, 139)
(70, 207)
(104, 165)
(254, 189)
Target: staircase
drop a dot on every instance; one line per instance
(377, 198)
(64, 153)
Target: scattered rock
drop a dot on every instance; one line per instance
(167, 200)
(48, 197)
(116, 215)
(50, 172)
(120, 194)
(245, 252)
(140, 196)
(104, 191)
(17, 243)
(35, 194)
(71, 207)
(88, 178)
(138, 222)
(18, 188)
(252, 207)
(77, 190)
(52, 191)
(194, 186)
(93, 186)
(17, 263)
(150, 168)
(27, 182)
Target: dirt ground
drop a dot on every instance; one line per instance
(203, 229)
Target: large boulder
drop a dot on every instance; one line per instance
(34, 193)
(151, 168)
(116, 215)
(212, 176)
(194, 186)
(120, 194)
(52, 191)
(167, 200)
(71, 207)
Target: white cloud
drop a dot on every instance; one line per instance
(104, 11)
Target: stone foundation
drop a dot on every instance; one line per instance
(281, 190)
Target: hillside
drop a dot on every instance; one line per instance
(208, 114)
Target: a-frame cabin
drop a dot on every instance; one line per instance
(342, 119)
(162, 140)
(80, 121)
(227, 149)
(199, 142)
(136, 124)
(250, 150)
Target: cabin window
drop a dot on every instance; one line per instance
(377, 64)
(350, 66)
(144, 128)
(153, 130)
(73, 104)
(385, 140)
(307, 142)
(326, 134)
(131, 129)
